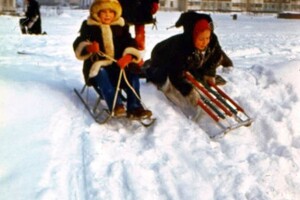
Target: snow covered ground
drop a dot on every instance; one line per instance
(50, 148)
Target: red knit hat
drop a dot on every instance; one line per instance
(200, 26)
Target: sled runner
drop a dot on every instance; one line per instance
(25, 52)
(95, 105)
(219, 106)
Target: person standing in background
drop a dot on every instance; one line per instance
(139, 13)
(32, 23)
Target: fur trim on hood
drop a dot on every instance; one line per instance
(98, 5)
(189, 19)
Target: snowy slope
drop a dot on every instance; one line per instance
(51, 148)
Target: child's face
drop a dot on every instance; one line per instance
(202, 40)
(106, 16)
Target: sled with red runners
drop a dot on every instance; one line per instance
(227, 114)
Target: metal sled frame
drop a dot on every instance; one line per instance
(219, 106)
(101, 113)
(98, 115)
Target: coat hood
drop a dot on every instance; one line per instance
(189, 19)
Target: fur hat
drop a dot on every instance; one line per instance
(98, 5)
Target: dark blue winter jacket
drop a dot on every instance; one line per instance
(175, 55)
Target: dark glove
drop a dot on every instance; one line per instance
(93, 48)
(154, 8)
(124, 61)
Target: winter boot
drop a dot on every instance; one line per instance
(119, 111)
(139, 113)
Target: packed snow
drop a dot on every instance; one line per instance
(50, 147)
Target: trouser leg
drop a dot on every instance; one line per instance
(132, 100)
(23, 25)
(104, 87)
(140, 36)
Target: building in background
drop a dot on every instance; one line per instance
(255, 6)
(8, 6)
(273, 6)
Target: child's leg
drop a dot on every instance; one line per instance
(23, 23)
(103, 86)
(132, 101)
(140, 36)
(134, 106)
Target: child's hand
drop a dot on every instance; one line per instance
(124, 61)
(93, 48)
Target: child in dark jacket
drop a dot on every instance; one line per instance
(32, 23)
(104, 32)
(196, 50)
